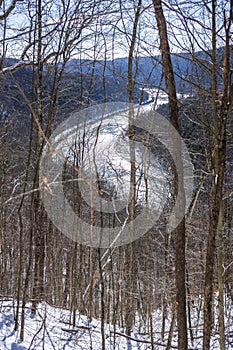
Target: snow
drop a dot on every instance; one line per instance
(158, 97)
(51, 329)
(108, 151)
(16, 66)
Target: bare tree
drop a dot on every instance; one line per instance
(180, 230)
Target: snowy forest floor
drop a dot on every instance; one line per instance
(51, 329)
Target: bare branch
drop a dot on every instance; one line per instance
(9, 10)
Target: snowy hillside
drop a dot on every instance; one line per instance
(51, 329)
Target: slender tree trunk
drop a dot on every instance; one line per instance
(102, 301)
(130, 277)
(226, 105)
(180, 230)
(172, 326)
(39, 234)
(220, 280)
(208, 293)
(73, 286)
(220, 113)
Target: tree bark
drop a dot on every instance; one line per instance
(180, 230)
(221, 110)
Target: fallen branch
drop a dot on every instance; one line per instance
(78, 329)
(141, 340)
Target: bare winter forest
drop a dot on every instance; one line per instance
(116, 174)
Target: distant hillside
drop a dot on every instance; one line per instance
(77, 90)
(87, 81)
(189, 70)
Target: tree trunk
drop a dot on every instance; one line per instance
(220, 114)
(180, 230)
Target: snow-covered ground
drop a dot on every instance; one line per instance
(51, 329)
(158, 97)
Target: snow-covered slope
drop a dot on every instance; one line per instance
(51, 329)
